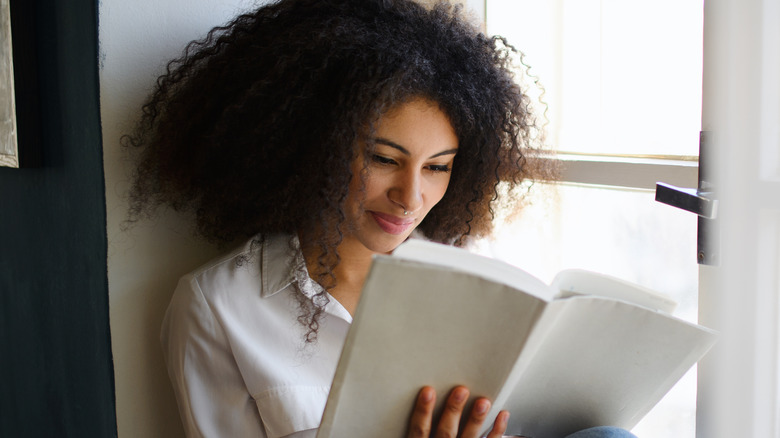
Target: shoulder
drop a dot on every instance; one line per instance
(255, 265)
(240, 279)
(230, 293)
(242, 255)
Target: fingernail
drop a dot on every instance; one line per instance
(482, 406)
(426, 395)
(460, 394)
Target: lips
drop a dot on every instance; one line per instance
(392, 224)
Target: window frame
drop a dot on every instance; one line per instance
(612, 170)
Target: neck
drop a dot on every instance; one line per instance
(350, 273)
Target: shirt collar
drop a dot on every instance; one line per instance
(282, 265)
(278, 254)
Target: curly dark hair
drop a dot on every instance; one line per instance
(254, 128)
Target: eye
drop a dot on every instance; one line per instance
(439, 168)
(382, 160)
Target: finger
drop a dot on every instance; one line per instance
(499, 426)
(422, 415)
(449, 422)
(476, 418)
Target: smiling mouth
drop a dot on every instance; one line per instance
(392, 224)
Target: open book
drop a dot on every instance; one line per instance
(589, 350)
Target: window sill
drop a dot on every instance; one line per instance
(628, 172)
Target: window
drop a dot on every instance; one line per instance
(622, 83)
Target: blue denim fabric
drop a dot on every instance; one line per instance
(602, 432)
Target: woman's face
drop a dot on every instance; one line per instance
(407, 175)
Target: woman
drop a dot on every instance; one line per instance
(320, 132)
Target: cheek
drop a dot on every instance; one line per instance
(376, 185)
(437, 191)
(355, 196)
(365, 191)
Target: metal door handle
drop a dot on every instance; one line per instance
(692, 200)
(700, 201)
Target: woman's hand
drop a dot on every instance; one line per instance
(449, 422)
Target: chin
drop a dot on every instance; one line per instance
(385, 245)
(385, 248)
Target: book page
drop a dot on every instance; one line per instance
(475, 264)
(421, 324)
(571, 282)
(600, 362)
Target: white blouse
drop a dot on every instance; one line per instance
(235, 350)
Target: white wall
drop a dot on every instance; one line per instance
(136, 39)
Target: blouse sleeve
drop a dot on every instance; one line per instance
(211, 394)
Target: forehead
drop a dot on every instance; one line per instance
(417, 125)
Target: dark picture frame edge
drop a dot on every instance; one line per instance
(26, 89)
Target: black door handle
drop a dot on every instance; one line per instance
(700, 201)
(692, 200)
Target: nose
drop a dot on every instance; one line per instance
(406, 191)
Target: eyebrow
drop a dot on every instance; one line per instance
(406, 152)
